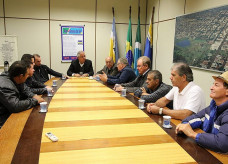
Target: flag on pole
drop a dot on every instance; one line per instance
(137, 51)
(149, 41)
(129, 54)
(114, 53)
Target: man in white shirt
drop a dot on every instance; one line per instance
(188, 98)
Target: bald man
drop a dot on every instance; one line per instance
(109, 68)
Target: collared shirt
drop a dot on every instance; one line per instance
(154, 95)
(81, 64)
(76, 67)
(113, 71)
(191, 98)
(140, 81)
(216, 139)
(145, 72)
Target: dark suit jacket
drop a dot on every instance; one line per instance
(41, 73)
(75, 67)
(36, 86)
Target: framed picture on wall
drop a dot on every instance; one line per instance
(201, 39)
(8, 49)
(72, 38)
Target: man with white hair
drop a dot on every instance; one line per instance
(143, 67)
(188, 98)
(81, 66)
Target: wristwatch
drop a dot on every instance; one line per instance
(160, 111)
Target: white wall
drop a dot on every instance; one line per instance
(103, 26)
(29, 20)
(32, 36)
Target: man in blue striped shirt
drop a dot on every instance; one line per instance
(213, 120)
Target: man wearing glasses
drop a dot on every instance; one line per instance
(143, 66)
(126, 73)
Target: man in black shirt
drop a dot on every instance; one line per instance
(42, 71)
(35, 86)
(81, 66)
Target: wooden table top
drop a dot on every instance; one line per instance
(94, 124)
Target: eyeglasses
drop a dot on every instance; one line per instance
(139, 66)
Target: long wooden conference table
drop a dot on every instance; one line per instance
(95, 124)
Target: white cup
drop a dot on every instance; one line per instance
(63, 77)
(141, 104)
(54, 83)
(91, 77)
(123, 92)
(43, 107)
(166, 121)
(49, 92)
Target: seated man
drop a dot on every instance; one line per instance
(81, 66)
(109, 68)
(35, 86)
(42, 71)
(143, 66)
(213, 120)
(14, 95)
(126, 73)
(155, 88)
(188, 98)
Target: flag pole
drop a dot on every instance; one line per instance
(113, 11)
(139, 8)
(152, 18)
(137, 49)
(129, 54)
(130, 12)
(152, 22)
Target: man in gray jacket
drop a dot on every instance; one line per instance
(14, 95)
(109, 68)
(143, 66)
